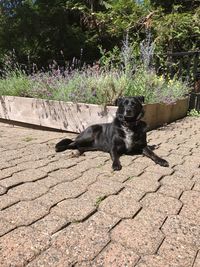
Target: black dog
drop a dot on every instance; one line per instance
(125, 135)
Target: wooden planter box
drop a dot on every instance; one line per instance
(73, 117)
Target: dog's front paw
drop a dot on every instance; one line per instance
(163, 162)
(116, 166)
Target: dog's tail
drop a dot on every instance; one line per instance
(65, 144)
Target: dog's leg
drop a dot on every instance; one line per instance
(63, 145)
(116, 162)
(150, 154)
(83, 144)
(115, 155)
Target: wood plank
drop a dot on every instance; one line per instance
(76, 117)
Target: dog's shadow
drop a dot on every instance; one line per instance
(78, 154)
(139, 152)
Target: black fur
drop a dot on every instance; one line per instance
(125, 135)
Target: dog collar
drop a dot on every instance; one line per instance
(131, 123)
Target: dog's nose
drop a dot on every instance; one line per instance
(128, 110)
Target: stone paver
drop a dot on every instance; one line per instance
(24, 213)
(62, 211)
(120, 206)
(177, 253)
(161, 203)
(191, 201)
(154, 261)
(50, 224)
(18, 178)
(178, 182)
(142, 238)
(83, 241)
(197, 260)
(115, 255)
(76, 209)
(183, 229)
(7, 201)
(170, 191)
(5, 226)
(28, 191)
(147, 182)
(21, 246)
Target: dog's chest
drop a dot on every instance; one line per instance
(128, 139)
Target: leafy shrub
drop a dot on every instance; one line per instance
(94, 86)
(194, 113)
(118, 73)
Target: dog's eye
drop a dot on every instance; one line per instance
(132, 103)
(126, 102)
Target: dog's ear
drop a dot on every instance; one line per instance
(118, 101)
(140, 98)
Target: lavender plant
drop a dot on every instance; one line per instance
(147, 48)
(117, 73)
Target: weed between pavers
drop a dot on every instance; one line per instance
(28, 139)
(130, 177)
(99, 200)
(100, 165)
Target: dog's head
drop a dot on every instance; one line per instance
(130, 109)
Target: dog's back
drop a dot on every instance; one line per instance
(125, 135)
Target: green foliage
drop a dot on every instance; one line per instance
(16, 84)
(118, 72)
(194, 113)
(39, 30)
(178, 31)
(28, 139)
(94, 85)
(155, 88)
(109, 58)
(168, 6)
(123, 15)
(99, 200)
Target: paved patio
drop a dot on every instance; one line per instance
(56, 210)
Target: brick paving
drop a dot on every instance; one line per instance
(58, 210)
